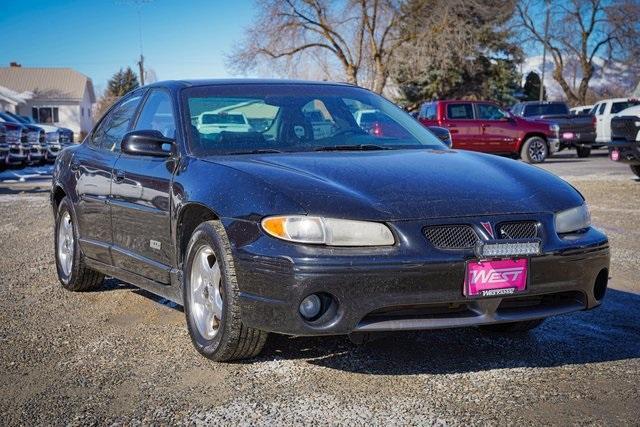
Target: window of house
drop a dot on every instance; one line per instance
(45, 114)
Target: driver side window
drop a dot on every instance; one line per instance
(109, 133)
(490, 112)
(157, 114)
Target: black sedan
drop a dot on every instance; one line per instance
(223, 196)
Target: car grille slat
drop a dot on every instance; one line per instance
(464, 236)
(518, 230)
(451, 236)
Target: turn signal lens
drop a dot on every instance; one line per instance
(328, 231)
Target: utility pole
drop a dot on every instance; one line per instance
(544, 47)
(141, 62)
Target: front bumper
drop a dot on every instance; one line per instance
(16, 155)
(404, 288)
(52, 151)
(554, 145)
(626, 151)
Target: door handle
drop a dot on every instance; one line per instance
(118, 176)
(450, 125)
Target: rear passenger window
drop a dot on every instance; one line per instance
(459, 111)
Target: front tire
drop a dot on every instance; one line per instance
(636, 169)
(211, 298)
(513, 327)
(73, 273)
(534, 150)
(583, 152)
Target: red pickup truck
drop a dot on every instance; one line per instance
(484, 126)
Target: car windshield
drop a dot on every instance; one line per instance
(545, 109)
(250, 118)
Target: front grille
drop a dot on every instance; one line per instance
(518, 230)
(624, 128)
(451, 236)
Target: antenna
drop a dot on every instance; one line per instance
(139, 4)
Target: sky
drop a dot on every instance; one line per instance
(181, 39)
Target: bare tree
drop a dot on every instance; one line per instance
(352, 40)
(580, 31)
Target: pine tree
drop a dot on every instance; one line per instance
(122, 82)
(532, 88)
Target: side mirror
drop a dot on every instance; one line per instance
(147, 143)
(442, 134)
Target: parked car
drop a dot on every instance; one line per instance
(4, 146)
(581, 109)
(30, 139)
(442, 134)
(52, 144)
(605, 110)
(576, 131)
(211, 122)
(277, 231)
(484, 126)
(625, 138)
(66, 134)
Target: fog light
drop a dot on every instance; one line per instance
(310, 306)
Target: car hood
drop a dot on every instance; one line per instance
(405, 184)
(48, 128)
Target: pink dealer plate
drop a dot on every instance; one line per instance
(494, 278)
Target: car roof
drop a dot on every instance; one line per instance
(234, 82)
(541, 102)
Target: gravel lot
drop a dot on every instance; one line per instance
(123, 356)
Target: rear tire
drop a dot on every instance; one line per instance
(73, 273)
(636, 169)
(513, 327)
(583, 152)
(211, 300)
(534, 150)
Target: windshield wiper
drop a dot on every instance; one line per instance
(258, 151)
(354, 147)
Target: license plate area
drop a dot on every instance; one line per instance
(488, 278)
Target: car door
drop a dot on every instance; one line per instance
(92, 165)
(140, 194)
(498, 131)
(464, 128)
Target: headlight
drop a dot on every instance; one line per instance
(573, 219)
(554, 128)
(328, 231)
(53, 136)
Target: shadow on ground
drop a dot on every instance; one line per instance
(609, 333)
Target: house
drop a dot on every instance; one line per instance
(60, 96)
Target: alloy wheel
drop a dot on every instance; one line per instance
(206, 292)
(537, 150)
(65, 244)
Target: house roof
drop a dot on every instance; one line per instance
(50, 83)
